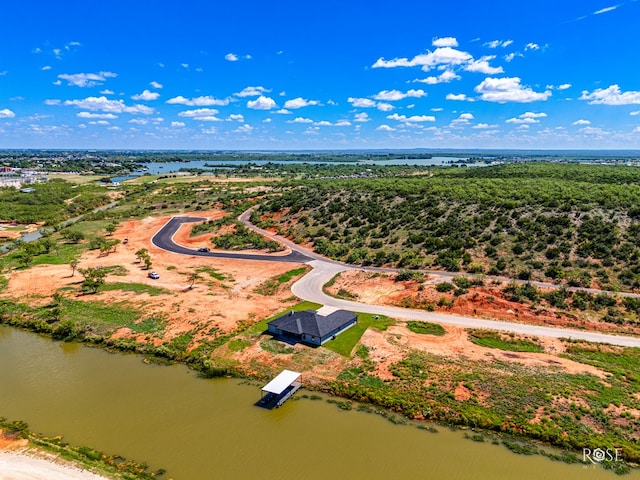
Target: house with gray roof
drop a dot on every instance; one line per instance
(310, 327)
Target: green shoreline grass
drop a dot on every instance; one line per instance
(113, 466)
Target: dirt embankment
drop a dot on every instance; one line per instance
(481, 301)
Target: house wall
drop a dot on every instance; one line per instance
(311, 339)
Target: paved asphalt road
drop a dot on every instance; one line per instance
(164, 239)
(310, 288)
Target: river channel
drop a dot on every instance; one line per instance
(210, 429)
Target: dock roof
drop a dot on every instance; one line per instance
(281, 382)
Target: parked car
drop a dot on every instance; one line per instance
(204, 249)
(154, 275)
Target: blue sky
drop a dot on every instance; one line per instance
(287, 75)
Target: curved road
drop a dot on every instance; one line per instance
(310, 288)
(164, 239)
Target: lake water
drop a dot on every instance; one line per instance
(172, 167)
(210, 429)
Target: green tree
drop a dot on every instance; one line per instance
(193, 278)
(94, 278)
(140, 254)
(74, 236)
(74, 265)
(25, 258)
(111, 228)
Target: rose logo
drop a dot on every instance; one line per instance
(599, 455)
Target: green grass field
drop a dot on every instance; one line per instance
(344, 343)
(492, 339)
(104, 318)
(426, 328)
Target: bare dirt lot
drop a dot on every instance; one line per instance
(392, 346)
(211, 302)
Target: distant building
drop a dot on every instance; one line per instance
(310, 327)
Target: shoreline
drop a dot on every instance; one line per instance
(33, 464)
(26, 455)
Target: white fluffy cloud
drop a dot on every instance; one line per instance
(105, 116)
(394, 95)
(262, 103)
(146, 96)
(385, 128)
(368, 103)
(246, 128)
(564, 86)
(339, 123)
(156, 85)
(445, 42)
(6, 113)
(444, 77)
(299, 103)
(611, 96)
(462, 120)
(178, 124)
(502, 90)
(440, 56)
(111, 106)
(482, 66)
(526, 118)
(300, 120)
(361, 117)
(510, 56)
(203, 114)
(236, 117)
(581, 122)
(231, 57)
(412, 119)
(86, 79)
(361, 102)
(384, 107)
(205, 101)
(460, 97)
(531, 46)
(252, 92)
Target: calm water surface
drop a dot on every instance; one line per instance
(209, 429)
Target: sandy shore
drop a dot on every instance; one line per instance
(21, 466)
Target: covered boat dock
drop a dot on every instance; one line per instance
(280, 389)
